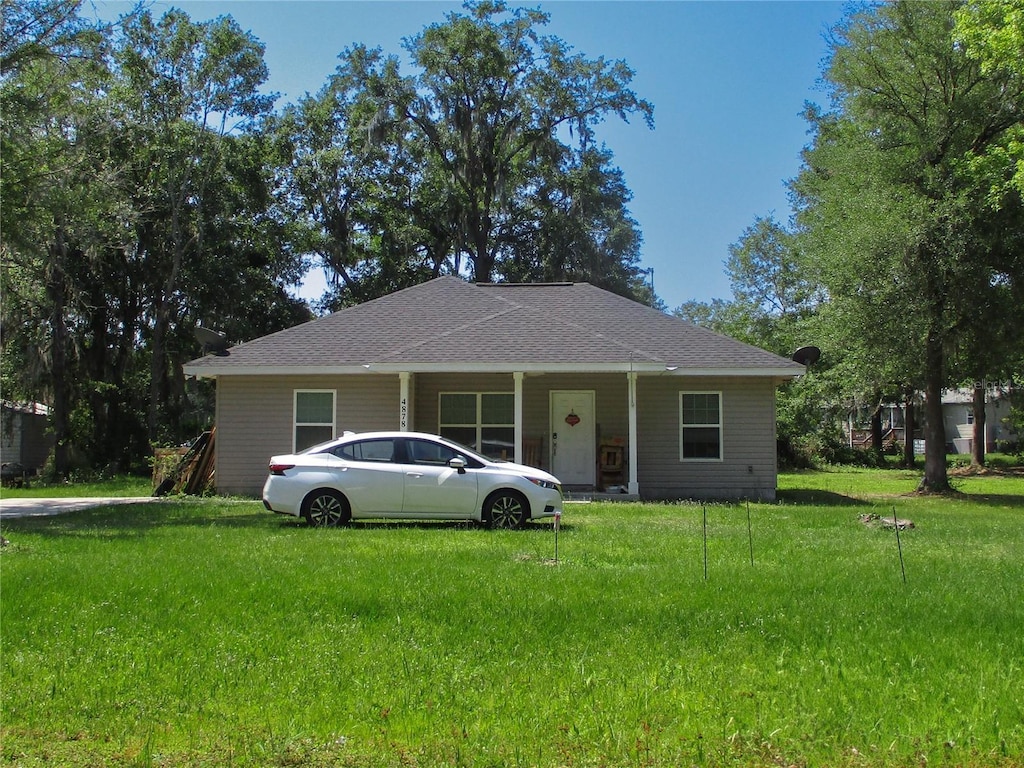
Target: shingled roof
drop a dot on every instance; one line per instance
(449, 324)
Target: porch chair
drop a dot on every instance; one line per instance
(611, 463)
(531, 452)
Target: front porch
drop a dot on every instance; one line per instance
(583, 496)
(585, 436)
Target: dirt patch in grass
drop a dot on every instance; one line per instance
(973, 471)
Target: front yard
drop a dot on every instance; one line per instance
(210, 632)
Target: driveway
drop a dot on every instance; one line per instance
(11, 509)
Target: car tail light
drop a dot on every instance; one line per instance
(279, 469)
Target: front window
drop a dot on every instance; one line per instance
(484, 421)
(314, 417)
(700, 426)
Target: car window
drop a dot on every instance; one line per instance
(426, 452)
(366, 450)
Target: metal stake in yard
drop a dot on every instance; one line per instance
(750, 536)
(896, 526)
(705, 508)
(558, 521)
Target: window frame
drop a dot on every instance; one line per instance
(295, 416)
(479, 426)
(720, 426)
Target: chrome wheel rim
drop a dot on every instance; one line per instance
(506, 512)
(325, 510)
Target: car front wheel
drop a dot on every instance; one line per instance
(326, 507)
(505, 509)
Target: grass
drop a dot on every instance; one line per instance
(121, 486)
(209, 633)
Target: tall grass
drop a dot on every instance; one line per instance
(214, 633)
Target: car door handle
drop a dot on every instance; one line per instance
(414, 474)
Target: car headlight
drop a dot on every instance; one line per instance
(545, 484)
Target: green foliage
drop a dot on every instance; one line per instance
(136, 205)
(993, 33)
(148, 189)
(463, 167)
(214, 632)
(896, 215)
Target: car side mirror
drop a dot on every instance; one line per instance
(458, 463)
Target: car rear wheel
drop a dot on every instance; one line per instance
(326, 507)
(505, 509)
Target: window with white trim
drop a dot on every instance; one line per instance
(484, 421)
(700, 426)
(313, 417)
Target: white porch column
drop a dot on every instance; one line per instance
(517, 377)
(634, 485)
(404, 401)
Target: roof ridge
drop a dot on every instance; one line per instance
(446, 332)
(512, 306)
(579, 326)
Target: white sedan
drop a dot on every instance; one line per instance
(407, 475)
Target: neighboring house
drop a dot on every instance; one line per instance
(591, 386)
(23, 436)
(958, 415)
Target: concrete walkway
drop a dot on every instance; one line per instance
(11, 509)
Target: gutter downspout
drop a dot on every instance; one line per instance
(517, 439)
(634, 485)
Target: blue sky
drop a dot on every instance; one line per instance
(728, 80)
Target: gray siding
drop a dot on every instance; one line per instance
(960, 434)
(254, 422)
(10, 438)
(749, 468)
(24, 439)
(254, 419)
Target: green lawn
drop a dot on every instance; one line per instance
(212, 633)
(121, 486)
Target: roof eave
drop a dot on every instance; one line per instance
(646, 369)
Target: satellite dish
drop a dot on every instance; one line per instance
(212, 341)
(807, 355)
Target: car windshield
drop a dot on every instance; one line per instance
(470, 452)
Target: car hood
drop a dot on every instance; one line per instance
(509, 466)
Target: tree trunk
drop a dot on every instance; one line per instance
(157, 374)
(876, 426)
(908, 430)
(935, 479)
(56, 295)
(483, 261)
(95, 360)
(978, 447)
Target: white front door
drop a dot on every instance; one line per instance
(573, 436)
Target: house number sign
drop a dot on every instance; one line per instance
(572, 419)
